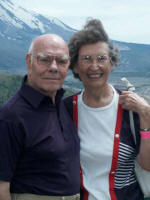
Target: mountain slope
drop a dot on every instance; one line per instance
(20, 26)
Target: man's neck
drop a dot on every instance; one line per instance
(51, 94)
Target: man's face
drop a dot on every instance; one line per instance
(48, 65)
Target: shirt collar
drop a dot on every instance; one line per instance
(34, 97)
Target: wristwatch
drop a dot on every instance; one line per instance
(145, 129)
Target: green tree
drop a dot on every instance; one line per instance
(8, 86)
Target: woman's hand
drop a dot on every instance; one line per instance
(132, 101)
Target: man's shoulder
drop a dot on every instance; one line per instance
(68, 99)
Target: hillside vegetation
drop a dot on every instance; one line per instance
(8, 86)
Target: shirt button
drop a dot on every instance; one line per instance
(74, 102)
(112, 172)
(116, 135)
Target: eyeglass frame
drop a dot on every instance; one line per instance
(84, 62)
(62, 63)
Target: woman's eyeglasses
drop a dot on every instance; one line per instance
(89, 59)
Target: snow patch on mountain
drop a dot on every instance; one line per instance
(19, 16)
(14, 14)
(60, 23)
(6, 17)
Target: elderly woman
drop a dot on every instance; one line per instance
(101, 114)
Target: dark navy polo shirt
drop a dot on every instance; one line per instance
(39, 146)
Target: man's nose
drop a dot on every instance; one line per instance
(53, 66)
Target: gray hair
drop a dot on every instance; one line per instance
(30, 50)
(92, 32)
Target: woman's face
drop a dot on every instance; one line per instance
(94, 65)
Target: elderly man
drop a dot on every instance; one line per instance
(39, 147)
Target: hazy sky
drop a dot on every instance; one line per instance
(124, 20)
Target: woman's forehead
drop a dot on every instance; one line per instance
(99, 47)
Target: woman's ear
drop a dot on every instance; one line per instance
(75, 69)
(111, 65)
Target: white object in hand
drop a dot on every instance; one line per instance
(129, 86)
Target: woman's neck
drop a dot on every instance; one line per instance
(98, 97)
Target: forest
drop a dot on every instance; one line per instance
(8, 86)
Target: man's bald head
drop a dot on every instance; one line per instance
(44, 39)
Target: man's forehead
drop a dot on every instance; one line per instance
(50, 43)
(51, 39)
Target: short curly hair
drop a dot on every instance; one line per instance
(92, 32)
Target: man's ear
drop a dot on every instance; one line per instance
(28, 62)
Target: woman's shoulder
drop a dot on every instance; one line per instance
(68, 101)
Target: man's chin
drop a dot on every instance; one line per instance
(52, 90)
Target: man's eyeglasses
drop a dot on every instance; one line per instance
(46, 60)
(88, 59)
